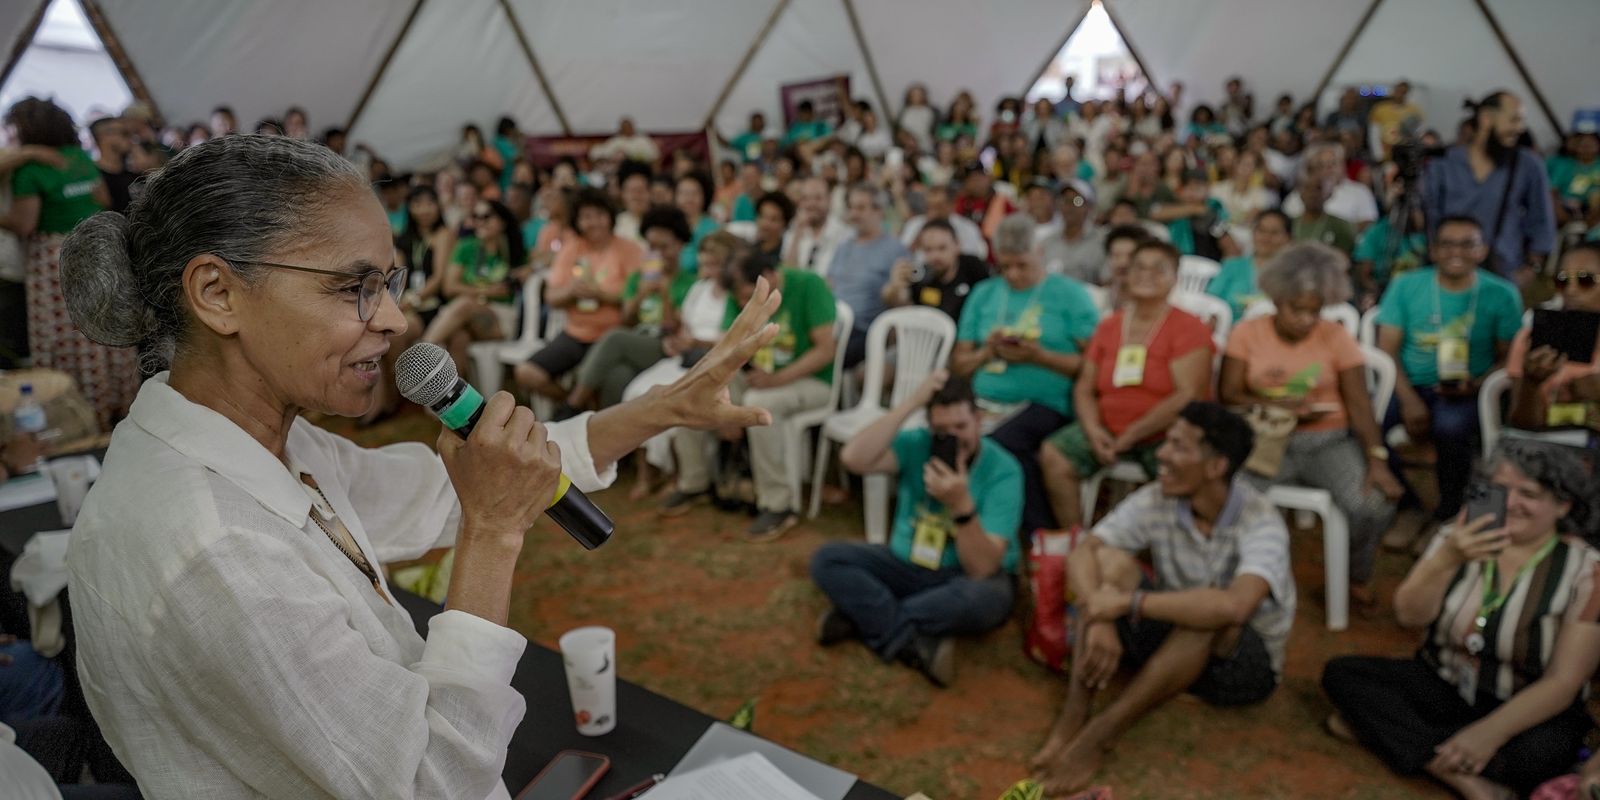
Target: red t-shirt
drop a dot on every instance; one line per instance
(1179, 334)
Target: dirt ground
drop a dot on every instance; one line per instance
(713, 621)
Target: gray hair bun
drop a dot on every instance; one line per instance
(97, 281)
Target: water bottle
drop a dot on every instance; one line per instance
(29, 420)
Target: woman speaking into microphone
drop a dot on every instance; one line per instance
(235, 634)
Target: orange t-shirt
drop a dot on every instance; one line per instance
(609, 267)
(1179, 334)
(1308, 368)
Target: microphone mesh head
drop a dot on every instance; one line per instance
(424, 373)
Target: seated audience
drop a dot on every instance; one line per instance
(791, 375)
(1492, 704)
(816, 233)
(1346, 199)
(1146, 362)
(693, 197)
(748, 143)
(1315, 224)
(1548, 390)
(555, 232)
(1039, 203)
(968, 234)
(1214, 621)
(1020, 339)
(1236, 283)
(482, 284)
(627, 144)
(633, 184)
(940, 276)
(652, 299)
(586, 281)
(1312, 368)
(1077, 249)
(774, 212)
(1446, 327)
(1197, 224)
(949, 567)
(745, 193)
(807, 128)
(1243, 194)
(1121, 242)
(862, 265)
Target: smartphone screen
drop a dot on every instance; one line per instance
(1487, 498)
(568, 777)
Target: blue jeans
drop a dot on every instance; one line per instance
(1453, 428)
(31, 686)
(893, 601)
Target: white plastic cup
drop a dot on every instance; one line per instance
(71, 477)
(590, 657)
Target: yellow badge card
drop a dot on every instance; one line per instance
(1129, 369)
(1453, 355)
(1560, 414)
(928, 539)
(764, 359)
(930, 296)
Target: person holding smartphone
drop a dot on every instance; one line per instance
(1548, 389)
(948, 568)
(1493, 700)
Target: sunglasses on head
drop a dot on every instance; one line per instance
(1586, 280)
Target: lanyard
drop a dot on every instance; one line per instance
(1005, 301)
(1127, 317)
(1492, 598)
(1438, 308)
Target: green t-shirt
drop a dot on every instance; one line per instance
(650, 308)
(807, 304)
(950, 131)
(1058, 312)
(744, 209)
(747, 145)
(1415, 304)
(1374, 247)
(689, 259)
(1328, 230)
(1182, 230)
(1578, 183)
(1236, 284)
(807, 131)
(397, 220)
(66, 195)
(479, 267)
(994, 479)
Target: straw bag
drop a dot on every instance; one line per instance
(1273, 426)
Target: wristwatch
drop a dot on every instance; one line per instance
(1378, 452)
(962, 519)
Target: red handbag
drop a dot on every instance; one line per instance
(1048, 639)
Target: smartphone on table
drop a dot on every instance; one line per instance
(568, 776)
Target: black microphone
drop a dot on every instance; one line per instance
(426, 375)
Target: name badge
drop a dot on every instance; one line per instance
(764, 359)
(928, 540)
(1453, 356)
(930, 296)
(1129, 370)
(1560, 414)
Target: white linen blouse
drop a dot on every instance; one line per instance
(229, 649)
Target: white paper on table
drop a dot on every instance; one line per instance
(26, 490)
(748, 776)
(723, 742)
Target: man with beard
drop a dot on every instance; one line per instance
(1494, 179)
(941, 278)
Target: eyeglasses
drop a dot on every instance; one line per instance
(369, 290)
(1586, 280)
(1458, 244)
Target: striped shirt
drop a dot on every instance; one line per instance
(1521, 635)
(1248, 538)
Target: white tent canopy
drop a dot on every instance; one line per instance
(408, 73)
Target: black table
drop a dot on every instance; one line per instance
(653, 732)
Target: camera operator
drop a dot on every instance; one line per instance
(1495, 178)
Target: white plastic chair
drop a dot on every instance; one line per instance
(1368, 334)
(1089, 490)
(1342, 313)
(487, 362)
(1335, 526)
(923, 339)
(1494, 388)
(1213, 311)
(1195, 273)
(795, 427)
(1101, 297)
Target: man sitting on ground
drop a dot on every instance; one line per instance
(941, 277)
(1217, 617)
(948, 567)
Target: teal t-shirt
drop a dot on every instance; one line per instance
(1182, 230)
(806, 305)
(807, 131)
(689, 259)
(1374, 246)
(994, 480)
(1057, 311)
(397, 220)
(1236, 285)
(744, 209)
(1488, 313)
(1578, 183)
(747, 145)
(530, 232)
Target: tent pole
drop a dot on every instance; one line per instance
(1133, 50)
(383, 66)
(119, 56)
(866, 55)
(1050, 59)
(24, 38)
(1349, 44)
(538, 71)
(1516, 61)
(744, 63)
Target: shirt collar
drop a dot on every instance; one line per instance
(1231, 509)
(221, 446)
